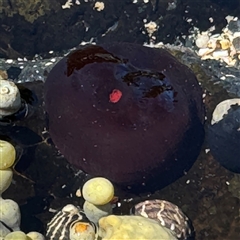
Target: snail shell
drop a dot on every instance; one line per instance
(10, 98)
(71, 224)
(82, 230)
(168, 215)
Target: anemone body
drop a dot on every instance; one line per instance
(129, 113)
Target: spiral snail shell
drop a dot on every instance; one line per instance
(168, 215)
(71, 223)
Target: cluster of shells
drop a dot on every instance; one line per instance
(72, 223)
(96, 221)
(224, 47)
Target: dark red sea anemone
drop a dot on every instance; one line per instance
(130, 113)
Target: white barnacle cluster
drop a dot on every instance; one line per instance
(224, 47)
(150, 27)
(10, 216)
(99, 6)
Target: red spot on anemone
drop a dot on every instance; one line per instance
(115, 96)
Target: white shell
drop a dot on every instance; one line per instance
(215, 36)
(10, 98)
(222, 109)
(16, 235)
(202, 40)
(204, 51)
(10, 214)
(229, 61)
(95, 212)
(6, 179)
(212, 43)
(220, 54)
(236, 34)
(36, 236)
(82, 231)
(4, 231)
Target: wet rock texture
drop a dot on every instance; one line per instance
(224, 139)
(46, 26)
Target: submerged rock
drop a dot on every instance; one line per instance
(129, 113)
(224, 134)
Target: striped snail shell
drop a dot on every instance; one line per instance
(71, 224)
(168, 215)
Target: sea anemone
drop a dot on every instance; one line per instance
(130, 113)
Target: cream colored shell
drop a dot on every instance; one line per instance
(222, 109)
(7, 154)
(18, 235)
(6, 178)
(10, 214)
(82, 231)
(35, 236)
(115, 227)
(95, 212)
(98, 191)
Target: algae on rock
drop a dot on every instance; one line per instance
(29, 9)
